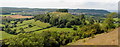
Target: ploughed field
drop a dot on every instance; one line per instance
(18, 16)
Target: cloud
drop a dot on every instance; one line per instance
(110, 6)
(106, 4)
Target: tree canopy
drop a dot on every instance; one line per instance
(62, 10)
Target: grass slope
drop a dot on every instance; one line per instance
(5, 35)
(56, 29)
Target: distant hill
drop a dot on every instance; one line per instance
(113, 10)
(35, 11)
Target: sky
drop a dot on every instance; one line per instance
(73, 4)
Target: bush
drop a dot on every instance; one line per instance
(74, 28)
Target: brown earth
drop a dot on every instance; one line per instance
(110, 38)
(18, 16)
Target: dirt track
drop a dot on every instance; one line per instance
(110, 38)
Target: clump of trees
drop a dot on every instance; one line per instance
(62, 10)
(60, 21)
(108, 22)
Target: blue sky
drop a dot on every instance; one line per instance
(74, 4)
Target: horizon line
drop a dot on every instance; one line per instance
(58, 8)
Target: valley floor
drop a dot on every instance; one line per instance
(110, 38)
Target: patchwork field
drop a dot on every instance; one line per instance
(25, 25)
(30, 25)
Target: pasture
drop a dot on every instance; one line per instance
(4, 35)
(30, 25)
(56, 29)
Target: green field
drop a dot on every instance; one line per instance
(25, 22)
(24, 25)
(116, 19)
(1, 25)
(5, 15)
(5, 35)
(56, 29)
(36, 25)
